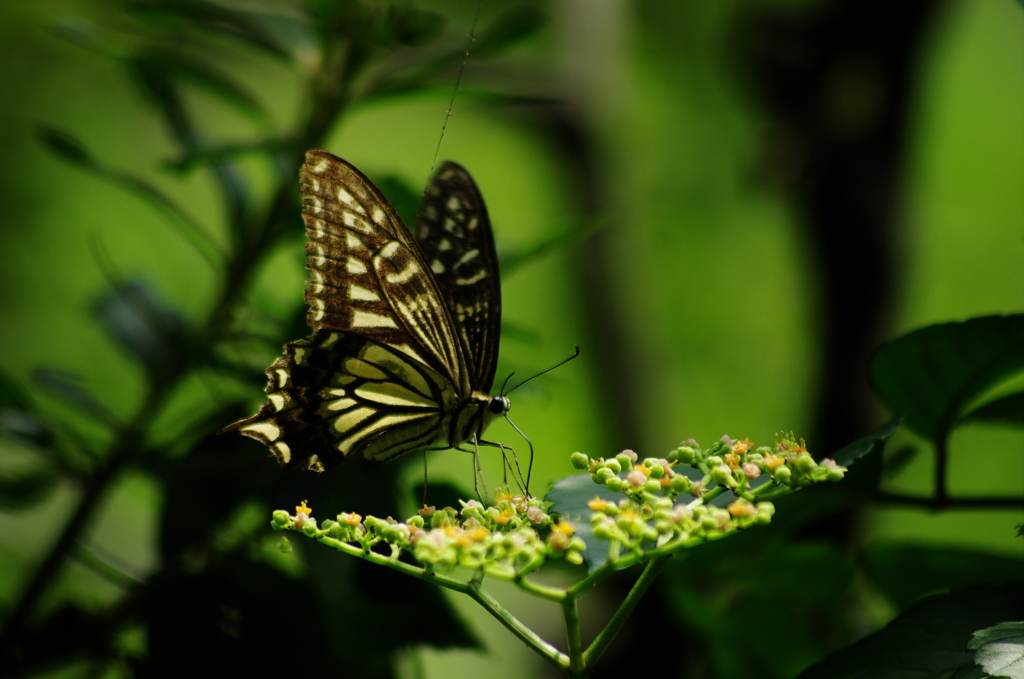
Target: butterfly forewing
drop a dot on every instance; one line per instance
(454, 232)
(403, 345)
(368, 276)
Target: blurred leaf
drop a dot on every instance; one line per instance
(25, 489)
(208, 155)
(72, 150)
(905, 573)
(506, 31)
(932, 373)
(721, 586)
(408, 25)
(141, 322)
(207, 78)
(214, 478)
(255, 29)
(159, 88)
(929, 640)
(1009, 410)
(872, 443)
(68, 387)
(19, 416)
(1000, 649)
(513, 259)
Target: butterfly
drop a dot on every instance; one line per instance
(405, 330)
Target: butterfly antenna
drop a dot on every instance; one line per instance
(458, 81)
(557, 365)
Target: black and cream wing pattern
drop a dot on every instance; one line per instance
(405, 330)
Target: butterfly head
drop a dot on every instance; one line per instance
(499, 405)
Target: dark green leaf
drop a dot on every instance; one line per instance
(905, 573)
(932, 373)
(570, 496)
(411, 26)
(928, 641)
(67, 147)
(1009, 409)
(19, 416)
(872, 443)
(207, 78)
(255, 29)
(511, 28)
(22, 490)
(141, 322)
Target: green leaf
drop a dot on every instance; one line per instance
(929, 640)
(570, 496)
(931, 374)
(1009, 409)
(905, 573)
(1000, 649)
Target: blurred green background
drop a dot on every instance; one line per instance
(692, 285)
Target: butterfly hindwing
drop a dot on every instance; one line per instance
(454, 232)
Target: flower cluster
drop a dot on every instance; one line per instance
(514, 535)
(650, 515)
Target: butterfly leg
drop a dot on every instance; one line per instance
(522, 481)
(478, 472)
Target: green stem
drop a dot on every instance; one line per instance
(604, 638)
(524, 633)
(571, 612)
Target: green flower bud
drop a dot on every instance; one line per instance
(680, 484)
(657, 471)
(613, 465)
(653, 486)
(722, 475)
(783, 474)
(579, 460)
(575, 558)
(615, 484)
(685, 454)
(805, 463)
(281, 519)
(604, 531)
(603, 475)
(714, 460)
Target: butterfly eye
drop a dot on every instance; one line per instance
(500, 404)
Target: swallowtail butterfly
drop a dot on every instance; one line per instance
(405, 330)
